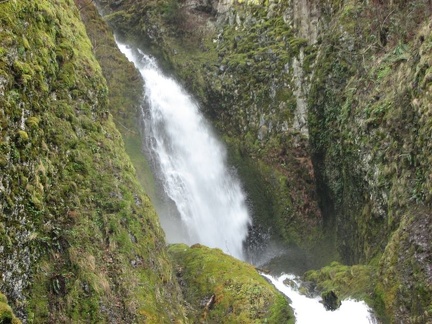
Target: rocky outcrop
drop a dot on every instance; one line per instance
(367, 117)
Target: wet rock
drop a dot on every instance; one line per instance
(116, 4)
(330, 300)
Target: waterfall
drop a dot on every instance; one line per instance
(209, 204)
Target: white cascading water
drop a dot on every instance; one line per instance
(208, 198)
(311, 310)
(192, 165)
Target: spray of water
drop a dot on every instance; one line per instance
(191, 166)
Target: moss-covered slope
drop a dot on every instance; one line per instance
(79, 240)
(221, 289)
(125, 90)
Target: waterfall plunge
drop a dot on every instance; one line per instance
(192, 166)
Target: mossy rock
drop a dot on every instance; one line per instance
(125, 95)
(222, 289)
(344, 281)
(6, 314)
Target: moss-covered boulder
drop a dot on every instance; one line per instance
(355, 281)
(336, 282)
(221, 289)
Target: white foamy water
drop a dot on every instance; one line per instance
(191, 166)
(310, 310)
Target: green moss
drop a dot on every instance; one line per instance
(369, 167)
(3, 298)
(83, 238)
(23, 136)
(356, 281)
(6, 313)
(224, 290)
(33, 121)
(125, 94)
(133, 146)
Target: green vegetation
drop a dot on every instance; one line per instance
(368, 142)
(125, 95)
(355, 282)
(221, 289)
(6, 314)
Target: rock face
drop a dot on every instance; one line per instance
(368, 125)
(79, 239)
(323, 104)
(330, 300)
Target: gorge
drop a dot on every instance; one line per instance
(324, 108)
(209, 200)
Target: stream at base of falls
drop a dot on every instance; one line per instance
(203, 201)
(311, 310)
